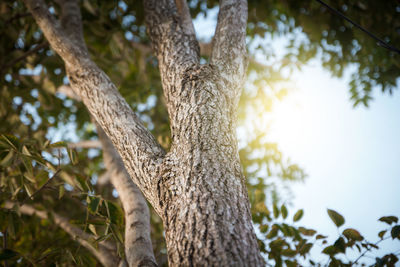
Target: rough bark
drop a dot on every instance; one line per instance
(202, 192)
(198, 187)
(138, 247)
(106, 252)
(141, 154)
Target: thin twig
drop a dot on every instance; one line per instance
(26, 54)
(369, 249)
(41, 188)
(5, 245)
(379, 40)
(17, 16)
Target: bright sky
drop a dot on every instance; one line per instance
(351, 155)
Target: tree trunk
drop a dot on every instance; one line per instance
(198, 187)
(202, 193)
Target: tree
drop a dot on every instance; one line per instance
(197, 188)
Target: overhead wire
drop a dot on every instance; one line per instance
(379, 40)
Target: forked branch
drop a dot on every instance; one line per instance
(229, 43)
(141, 154)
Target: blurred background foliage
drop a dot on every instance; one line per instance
(35, 116)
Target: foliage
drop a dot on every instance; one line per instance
(36, 170)
(284, 242)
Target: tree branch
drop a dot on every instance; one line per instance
(52, 29)
(22, 57)
(173, 39)
(71, 21)
(140, 152)
(106, 253)
(184, 13)
(138, 247)
(85, 144)
(229, 43)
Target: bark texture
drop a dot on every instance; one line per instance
(137, 243)
(138, 247)
(202, 190)
(198, 187)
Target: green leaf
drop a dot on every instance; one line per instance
(25, 151)
(336, 217)
(29, 190)
(103, 237)
(94, 204)
(6, 254)
(58, 144)
(264, 228)
(81, 182)
(352, 234)
(92, 229)
(395, 232)
(7, 160)
(330, 250)
(61, 191)
(27, 163)
(273, 232)
(321, 237)
(117, 235)
(114, 213)
(389, 219)
(289, 253)
(307, 232)
(290, 263)
(284, 211)
(30, 177)
(340, 245)
(305, 248)
(275, 211)
(11, 140)
(298, 215)
(73, 156)
(382, 233)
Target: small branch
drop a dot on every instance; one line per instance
(369, 249)
(17, 16)
(5, 245)
(184, 13)
(229, 42)
(71, 21)
(138, 246)
(106, 253)
(61, 43)
(41, 188)
(22, 57)
(85, 144)
(67, 91)
(205, 49)
(173, 39)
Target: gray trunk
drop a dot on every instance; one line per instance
(202, 191)
(198, 187)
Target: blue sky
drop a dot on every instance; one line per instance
(352, 155)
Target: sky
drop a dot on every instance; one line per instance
(351, 155)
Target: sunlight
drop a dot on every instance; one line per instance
(293, 123)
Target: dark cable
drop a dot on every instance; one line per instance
(379, 40)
